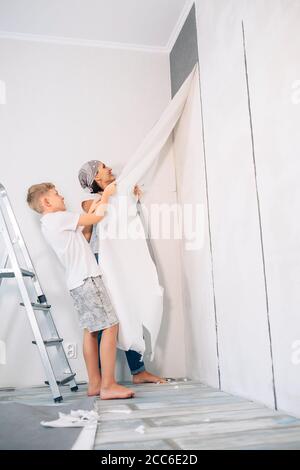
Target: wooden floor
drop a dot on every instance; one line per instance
(189, 415)
(179, 415)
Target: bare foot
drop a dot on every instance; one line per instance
(115, 391)
(94, 389)
(146, 377)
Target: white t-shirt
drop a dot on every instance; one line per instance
(61, 232)
(94, 242)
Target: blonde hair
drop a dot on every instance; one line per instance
(35, 193)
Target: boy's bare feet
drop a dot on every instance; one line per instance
(115, 391)
(145, 377)
(94, 389)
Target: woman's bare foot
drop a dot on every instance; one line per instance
(94, 389)
(115, 391)
(145, 377)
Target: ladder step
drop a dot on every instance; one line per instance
(8, 272)
(63, 381)
(51, 342)
(36, 306)
(67, 379)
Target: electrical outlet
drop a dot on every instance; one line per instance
(2, 353)
(71, 350)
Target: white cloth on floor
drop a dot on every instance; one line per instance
(76, 419)
(128, 271)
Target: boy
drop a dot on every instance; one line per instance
(63, 231)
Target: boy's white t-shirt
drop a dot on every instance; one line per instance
(61, 232)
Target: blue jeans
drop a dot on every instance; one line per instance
(133, 358)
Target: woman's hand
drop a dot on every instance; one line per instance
(137, 192)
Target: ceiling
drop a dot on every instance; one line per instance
(133, 23)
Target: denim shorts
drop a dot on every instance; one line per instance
(92, 303)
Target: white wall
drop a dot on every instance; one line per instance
(243, 304)
(65, 105)
(273, 46)
(198, 302)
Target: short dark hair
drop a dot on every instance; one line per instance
(96, 188)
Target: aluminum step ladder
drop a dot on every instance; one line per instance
(46, 338)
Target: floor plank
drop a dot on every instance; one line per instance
(181, 414)
(190, 415)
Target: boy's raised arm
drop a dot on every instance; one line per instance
(101, 206)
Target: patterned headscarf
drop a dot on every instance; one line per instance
(87, 174)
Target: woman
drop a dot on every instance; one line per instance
(95, 176)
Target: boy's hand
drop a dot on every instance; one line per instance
(110, 189)
(137, 192)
